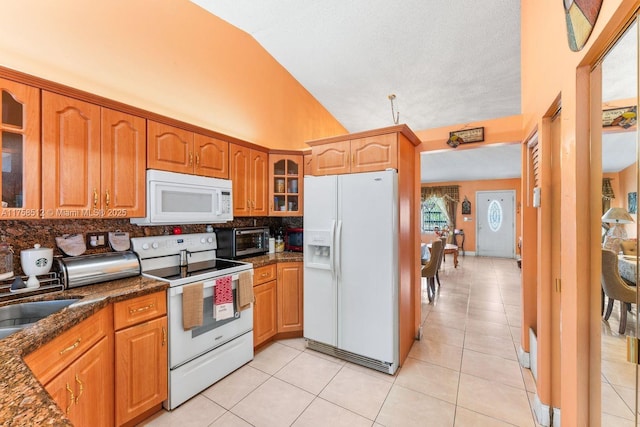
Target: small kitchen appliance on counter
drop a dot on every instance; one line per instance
(95, 268)
(293, 239)
(201, 355)
(245, 241)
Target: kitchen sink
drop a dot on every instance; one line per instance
(17, 316)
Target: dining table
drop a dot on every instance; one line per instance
(627, 267)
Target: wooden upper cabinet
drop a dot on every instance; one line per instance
(330, 159)
(178, 150)
(212, 157)
(169, 148)
(260, 176)
(71, 150)
(123, 164)
(367, 154)
(239, 173)
(95, 160)
(20, 128)
(308, 164)
(374, 153)
(248, 170)
(285, 184)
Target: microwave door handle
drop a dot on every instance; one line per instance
(219, 207)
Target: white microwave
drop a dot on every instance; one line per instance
(177, 198)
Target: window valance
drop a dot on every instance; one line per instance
(447, 192)
(607, 191)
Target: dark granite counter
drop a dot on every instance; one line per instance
(262, 260)
(23, 400)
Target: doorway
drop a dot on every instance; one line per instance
(495, 229)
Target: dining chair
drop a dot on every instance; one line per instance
(444, 243)
(615, 288)
(430, 269)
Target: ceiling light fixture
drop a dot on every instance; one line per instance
(394, 115)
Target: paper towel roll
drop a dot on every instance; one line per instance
(272, 245)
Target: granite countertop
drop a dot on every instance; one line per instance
(23, 400)
(262, 260)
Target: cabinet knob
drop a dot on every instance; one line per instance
(107, 198)
(95, 198)
(190, 159)
(198, 160)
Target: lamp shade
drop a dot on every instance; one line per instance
(618, 216)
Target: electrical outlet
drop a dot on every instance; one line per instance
(96, 239)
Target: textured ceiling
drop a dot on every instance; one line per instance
(446, 61)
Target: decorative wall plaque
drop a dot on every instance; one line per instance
(581, 16)
(464, 136)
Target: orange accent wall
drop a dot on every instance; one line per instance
(170, 57)
(549, 71)
(469, 189)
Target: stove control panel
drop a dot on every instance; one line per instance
(155, 246)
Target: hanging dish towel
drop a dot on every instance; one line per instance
(245, 290)
(192, 307)
(223, 302)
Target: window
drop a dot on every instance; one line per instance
(434, 214)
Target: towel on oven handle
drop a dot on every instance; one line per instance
(192, 308)
(245, 290)
(223, 299)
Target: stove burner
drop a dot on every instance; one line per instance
(195, 269)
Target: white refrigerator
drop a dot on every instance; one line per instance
(351, 267)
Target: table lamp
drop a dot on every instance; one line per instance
(616, 233)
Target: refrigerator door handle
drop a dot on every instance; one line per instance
(333, 245)
(338, 250)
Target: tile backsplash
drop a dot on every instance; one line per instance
(24, 234)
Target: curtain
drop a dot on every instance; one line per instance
(449, 197)
(607, 194)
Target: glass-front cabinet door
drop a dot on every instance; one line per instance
(285, 184)
(20, 128)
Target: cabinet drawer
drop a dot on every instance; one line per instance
(140, 309)
(50, 359)
(264, 274)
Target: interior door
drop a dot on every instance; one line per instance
(618, 74)
(496, 227)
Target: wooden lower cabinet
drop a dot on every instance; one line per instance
(76, 369)
(84, 390)
(141, 356)
(141, 368)
(290, 297)
(264, 312)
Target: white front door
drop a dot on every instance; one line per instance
(496, 227)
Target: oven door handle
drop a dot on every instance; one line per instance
(206, 284)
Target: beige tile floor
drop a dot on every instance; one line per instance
(464, 372)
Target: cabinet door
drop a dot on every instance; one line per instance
(259, 179)
(239, 161)
(20, 126)
(289, 297)
(330, 159)
(85, 389)
(308, 164)
(169, 148)
(71, 157)
(123, 164)
(285, 185)
(141, 364)
(264, 312)
(374, 153)
(212, 157)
